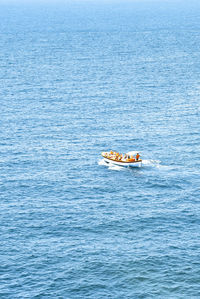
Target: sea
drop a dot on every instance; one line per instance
(78, 78)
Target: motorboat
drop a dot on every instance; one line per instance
(130, 159)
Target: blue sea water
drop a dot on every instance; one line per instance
(78, 78)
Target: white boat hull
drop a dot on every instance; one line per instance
(123, 163)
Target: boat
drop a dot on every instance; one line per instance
(130, 159)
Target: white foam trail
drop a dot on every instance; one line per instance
(145, 163)
(154, 163)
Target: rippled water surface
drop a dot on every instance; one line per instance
(77, 79)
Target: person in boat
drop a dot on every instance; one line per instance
(137, 157)
(126, 157)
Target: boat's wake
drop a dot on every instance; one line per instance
(151, 163)
(156, 164)
(145, 164)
